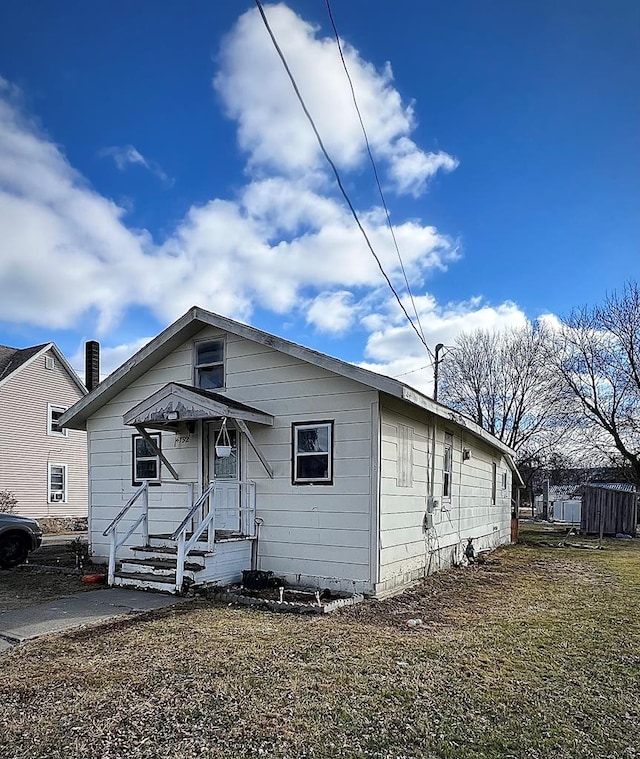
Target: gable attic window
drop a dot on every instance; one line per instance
(145, 461)
(312, 453)
(209, 364)
(53, 416)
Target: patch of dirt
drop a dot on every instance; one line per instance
(21, 587)
(436, 600)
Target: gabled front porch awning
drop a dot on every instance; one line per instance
(175, 406)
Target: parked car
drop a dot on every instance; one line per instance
(18, 537)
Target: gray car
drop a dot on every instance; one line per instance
(18, 537)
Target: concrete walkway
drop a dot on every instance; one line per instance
(68, 613)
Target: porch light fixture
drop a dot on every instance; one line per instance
(172, 416)
(466, 454)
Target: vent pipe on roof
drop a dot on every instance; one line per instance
(92, 364)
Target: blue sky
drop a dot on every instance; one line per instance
(153, 157)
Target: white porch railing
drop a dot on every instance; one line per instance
(112, 530)
(207, 514)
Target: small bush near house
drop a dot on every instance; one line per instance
(8, 502)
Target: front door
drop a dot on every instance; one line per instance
(226, 472)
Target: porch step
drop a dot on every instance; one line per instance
(145, 581)
(168, 552)
(162, 564)
(219, 537)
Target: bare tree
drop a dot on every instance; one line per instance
(597, 355)
(503, 381)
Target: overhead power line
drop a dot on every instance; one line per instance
(335, 171)
(374, 167)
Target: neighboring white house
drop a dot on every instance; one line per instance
(43, 465)
(338, 477)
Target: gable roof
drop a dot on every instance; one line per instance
(196, 319)
(14, 360)
(191, 403)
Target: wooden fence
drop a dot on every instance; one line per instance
(608, 512)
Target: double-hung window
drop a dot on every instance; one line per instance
(146, 462)
(209, 364)
(53, 417)
(312, 453)
(447, 466)
(57, 477)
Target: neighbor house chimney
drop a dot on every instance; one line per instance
(92, 364)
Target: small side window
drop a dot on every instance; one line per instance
(494, 479)
(57, 483)
(312, 462)
(146, 462)
(209, 365)
(447, 466)
(53, 416)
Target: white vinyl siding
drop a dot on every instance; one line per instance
(26, 448)
(407, 549)
(316, 533)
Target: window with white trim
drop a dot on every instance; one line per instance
(146, 462)
(494, 482)
(447, 465)
(57, 477)
(53, 416)
(312, 453)
(209, 364)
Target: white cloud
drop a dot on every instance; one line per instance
(272, 127)
(395, 350)
(64, 249)
(284, 243)
(128, 155)
(332, 312)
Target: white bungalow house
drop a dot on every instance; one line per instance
(219, 448)
(41, 464)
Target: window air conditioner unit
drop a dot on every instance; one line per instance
(57, 497)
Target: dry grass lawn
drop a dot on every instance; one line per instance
(534, 654)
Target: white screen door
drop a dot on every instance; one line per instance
(226, 471)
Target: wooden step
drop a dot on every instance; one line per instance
(162, 583)
(164, 564)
